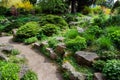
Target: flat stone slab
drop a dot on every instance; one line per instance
(85, 58)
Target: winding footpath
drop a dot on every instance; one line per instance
(45, 68)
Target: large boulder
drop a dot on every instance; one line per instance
(98, 76)
(85, 58)
(74, 75)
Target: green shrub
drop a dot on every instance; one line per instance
(30, 29)
(11, 26)
(108, 55)
(113, 20)
(109, 30)
(52, 42)
(104, 43)
(14, 59)
(49, 29)
(115, 36)
(98, 65)
(76, 44)
(71, 33)
(111, 70)
(53, 19)
(89, 38)
(94, 30)
(15, 52)
(30, 75)
(101, 21)
(30, 40)
(53, 6)
(9, 71)
(2, 10)
(70, 17)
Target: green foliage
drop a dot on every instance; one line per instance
(30, 29)
(2, 10)
(76, 44)
(70, 17)
(100, 21)
(33, 1)
(111, 70)
(14, 59)
(71, 33)
(30, 40)
(37, 9)
(15, 52)
(108, 55)
(49, 29)
(113, 20)
(30, 75)
(104, 43)
(115, 36)
(94, 30)
(53, 19)
(11, 26)
(109, 30)
(9, 71)
(53, 6)
(52, 42)
(89, 38)
(98, 65)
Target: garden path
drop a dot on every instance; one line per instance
(45, 68)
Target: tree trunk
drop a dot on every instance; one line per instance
(73, 6)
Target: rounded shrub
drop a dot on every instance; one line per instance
(111, 70)
(94, 30)
(53, 19)
(76, 44)
(104, 43)
(30, 29)
(115, 36)
(98, 65)
(71, 33)
(9, 71)
(30, 75)
(49, 29)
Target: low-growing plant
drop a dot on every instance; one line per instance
(30, 40)
(108, 55)
(111, 70)
(71, 33)
(9, 71)
(14, 59)
(115, 36)
(53, 19)
(30, 75)
(104, 43)
(30, 29)
(52, 42)
(79, 43)
(98, 65)
(49, 29)
(15, 52)
(94, 30)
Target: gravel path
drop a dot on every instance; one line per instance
(45, 69)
